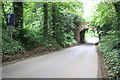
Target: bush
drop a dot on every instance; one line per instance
(7, 46)
(111, 54)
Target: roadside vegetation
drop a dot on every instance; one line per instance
(46, 25)
(107, 19)
(43, 25)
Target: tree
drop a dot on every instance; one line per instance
(18, 10)
(4, 15)
(117, 9)
(45, 11)
(55, 28)
(54, 19)
(107, 18)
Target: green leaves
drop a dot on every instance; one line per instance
(60, 18)
(111, 54)
(107, 19)
(8, 47)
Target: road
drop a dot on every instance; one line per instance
(73, 62)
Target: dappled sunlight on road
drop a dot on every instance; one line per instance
(92, 40)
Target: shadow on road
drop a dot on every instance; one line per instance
(91, 43)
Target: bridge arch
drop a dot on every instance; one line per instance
(83, 32)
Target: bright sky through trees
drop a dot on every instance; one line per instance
(89, 8)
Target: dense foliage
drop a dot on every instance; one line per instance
(49, 24)
(52, 24)
(106, 19)
(8, 46)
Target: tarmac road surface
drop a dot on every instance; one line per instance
(74, 62)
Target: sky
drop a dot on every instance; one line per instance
(89, 8)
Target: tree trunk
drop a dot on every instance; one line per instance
(3, 25)
(117, 9)
(54, 19)
(18, 10)
(45, 11)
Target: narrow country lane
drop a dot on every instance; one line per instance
(74, 62)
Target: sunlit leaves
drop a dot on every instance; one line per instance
(67, 18)
(107, 19)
